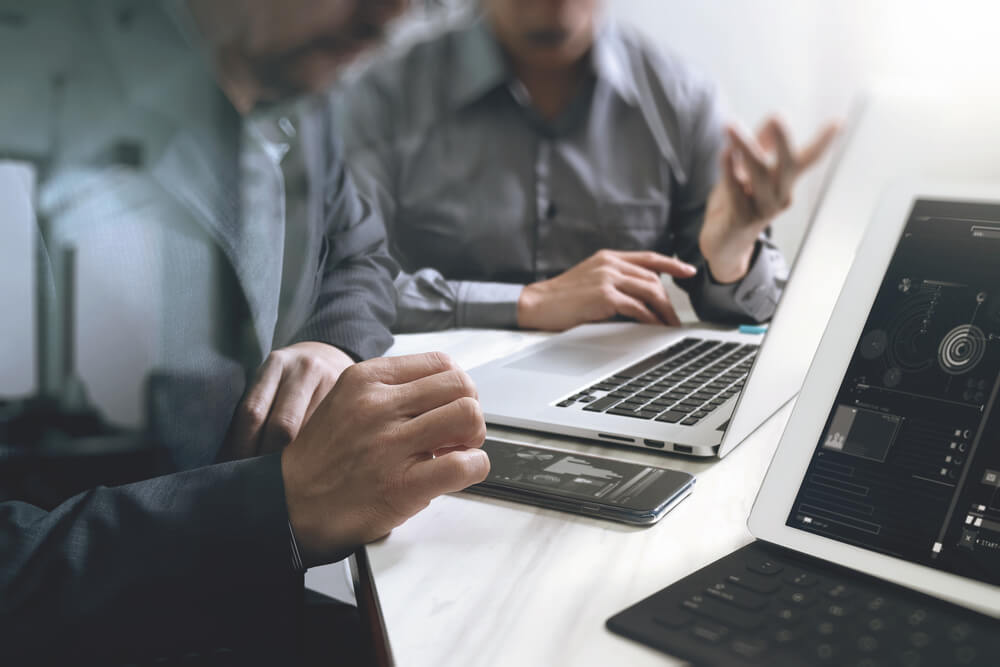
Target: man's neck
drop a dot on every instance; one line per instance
(552, 90)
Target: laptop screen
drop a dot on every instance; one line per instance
(908, 463)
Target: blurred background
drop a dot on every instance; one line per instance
(808, 60)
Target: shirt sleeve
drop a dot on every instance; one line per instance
(428, 302)
(755, 297)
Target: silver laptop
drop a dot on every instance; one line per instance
(672, 388)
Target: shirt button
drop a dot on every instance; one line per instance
(551, 211)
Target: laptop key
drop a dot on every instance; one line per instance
(601, 404)
(565, 404)
(690, 421)
(671, 417)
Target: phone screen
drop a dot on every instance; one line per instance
(587, 478)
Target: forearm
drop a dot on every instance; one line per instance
(426, 301)
(181, 562)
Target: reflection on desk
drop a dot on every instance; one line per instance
(477, 581)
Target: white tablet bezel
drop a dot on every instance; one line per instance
(803, 431)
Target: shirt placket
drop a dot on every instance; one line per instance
(546, 209)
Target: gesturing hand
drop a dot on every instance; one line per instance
(757, 181)
(366, 460)
(606, 284)
(289, 386)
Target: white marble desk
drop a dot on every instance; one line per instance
(476, 581)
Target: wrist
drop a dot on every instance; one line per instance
(527, 306)
(311, 530)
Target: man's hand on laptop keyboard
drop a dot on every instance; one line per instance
(392, 435)
(606, 284)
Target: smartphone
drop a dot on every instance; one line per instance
(593, 485)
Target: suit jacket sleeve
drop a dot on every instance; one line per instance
(183, 562)
(356, 301)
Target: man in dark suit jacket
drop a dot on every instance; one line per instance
(261, 232)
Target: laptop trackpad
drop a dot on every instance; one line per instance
(566, 359)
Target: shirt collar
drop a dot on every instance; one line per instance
(481, 66)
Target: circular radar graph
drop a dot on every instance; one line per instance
(962, 349)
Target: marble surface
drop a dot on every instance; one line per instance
(476, 581)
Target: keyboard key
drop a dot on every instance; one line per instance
(724, 613)
(690, 421)
(710, 632)
(755, 583)
(768, 567)
(800, 578)
(734, 595)
(671, 417)
(789, 615)
(840, 592)
(586, 399)
(601, 404)
(797, 597)
(565, 404)
(751, 649)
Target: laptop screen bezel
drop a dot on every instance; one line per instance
(803, 431)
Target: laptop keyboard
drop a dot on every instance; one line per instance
(682, 384)
(765, 606)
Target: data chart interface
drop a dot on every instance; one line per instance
(908, 462)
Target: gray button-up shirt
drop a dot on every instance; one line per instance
(481, 195)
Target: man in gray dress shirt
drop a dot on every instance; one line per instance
(540, 167)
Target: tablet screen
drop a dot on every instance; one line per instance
(908, 463)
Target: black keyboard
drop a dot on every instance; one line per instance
(682, 384)
(763, 605)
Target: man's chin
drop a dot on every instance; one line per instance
(553, 38)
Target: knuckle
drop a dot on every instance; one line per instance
(604, 255)
(441, 360)
(357, 373)
(255, 411)
(464, 386)
(282, 429)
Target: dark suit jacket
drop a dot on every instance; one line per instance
(197, 558)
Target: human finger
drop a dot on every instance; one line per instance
(406, 368)
(425, 394)
(456, 424)
(657, 262)
(814, 150)
(653, 295)
(253, 410)
(288, 412)
(763, 189)
(450, 472)
(775, 135)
